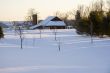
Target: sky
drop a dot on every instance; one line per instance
(17, 10)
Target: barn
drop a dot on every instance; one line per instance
(51, 22)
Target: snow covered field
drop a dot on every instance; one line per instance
(41, 55)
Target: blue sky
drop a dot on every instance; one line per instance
(17, 9)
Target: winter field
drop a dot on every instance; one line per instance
(70, 53)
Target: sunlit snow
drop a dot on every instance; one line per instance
(41, 54)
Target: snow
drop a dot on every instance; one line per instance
(41, 55)
(55, 23)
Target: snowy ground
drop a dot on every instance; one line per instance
(41, 55)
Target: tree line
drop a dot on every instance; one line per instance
(93, 20)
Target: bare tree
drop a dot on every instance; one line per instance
(34, 40)
(21, 36)
(40, 30)
(98, 5)
(62, 15)
(31, 13)
(57, 14)
(14, 26)
(59, 44)
(91, 31)
(55, 33)
(19, 31)
(108, 4)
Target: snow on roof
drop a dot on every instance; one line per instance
(48, 22)
(55, 23)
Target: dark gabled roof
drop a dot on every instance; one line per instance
(56, 19)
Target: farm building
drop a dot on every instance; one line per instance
(52, 22)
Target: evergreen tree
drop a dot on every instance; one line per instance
(78, 22)
(96, 18)
(1, 33)
(97, 22)
(108, 23)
